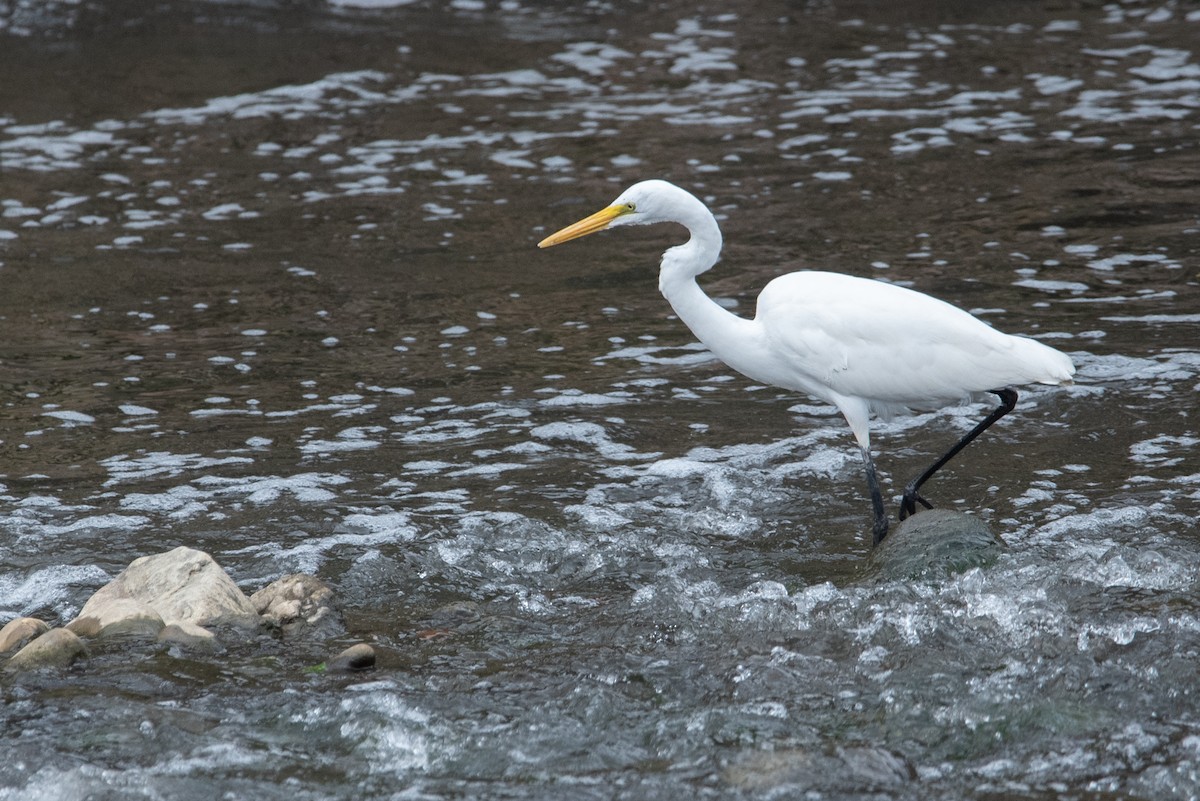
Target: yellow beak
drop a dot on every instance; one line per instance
(588, 225)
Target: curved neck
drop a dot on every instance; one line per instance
(723, 332)
(702, 249)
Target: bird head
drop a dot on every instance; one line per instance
(641, 204)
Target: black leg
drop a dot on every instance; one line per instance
(912, 495)
(880, 529)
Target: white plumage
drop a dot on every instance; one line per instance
(864, 346)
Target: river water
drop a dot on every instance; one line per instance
(271, 289)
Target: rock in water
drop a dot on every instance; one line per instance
(839, 771)
(182, 585)
(20, 631)
(189, 637)
(356, 657)
(300, 605)
(118, 617)
(56, 648)
(934, 543)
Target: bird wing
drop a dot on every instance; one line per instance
(838, 335)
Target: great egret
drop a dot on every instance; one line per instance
(865, 346)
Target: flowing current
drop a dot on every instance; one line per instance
(271, 290)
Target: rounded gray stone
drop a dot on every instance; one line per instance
(935, 543)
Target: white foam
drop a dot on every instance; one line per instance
(48, 587)
(1118, 367)
(574, 397)
(692, 353)
(392, 526)
(261, 490)
(177, 503)
(589, 434)
(157, 464)
(1157, 450)
(1055, 84)
(1046, 285)
(92, 524)
(294, 101)
(43, 150)
(593, 58)
(325, 447)
(386, 730)
(1124, 259)
(70, 419)
(372, 4)
(1156, 319)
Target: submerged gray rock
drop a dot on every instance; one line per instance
(846, 769)
(934, 543)
(189, 637)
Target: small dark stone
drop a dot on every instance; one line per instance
(458, 613)
(356, 657)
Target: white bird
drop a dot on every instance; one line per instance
(864, 346)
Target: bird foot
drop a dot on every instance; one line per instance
(908, 504)
(879, 531)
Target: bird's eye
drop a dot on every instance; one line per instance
(630, 207)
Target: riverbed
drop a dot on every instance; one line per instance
(271, 290)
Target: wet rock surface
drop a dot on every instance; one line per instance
(190, 637)
(115, 616)
(20, 631)
(181, 585)
(57, 648)
(300, 606)
(935, 543)
(849, 769)
(184, 585)
(356, 657)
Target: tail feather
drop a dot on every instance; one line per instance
(1056, 367)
